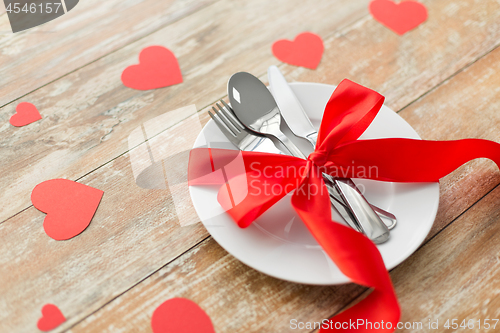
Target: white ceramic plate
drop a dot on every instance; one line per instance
(278, 243)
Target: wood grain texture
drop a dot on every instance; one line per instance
(88, 115)
(466, 106)
(237, 298)
(94, 104)
(459, 191)
(31, 59)
(403, 68)
(134, 232)
(77, 103)
(406, 68)
(455, 275)
(454, 110)
(5, 28)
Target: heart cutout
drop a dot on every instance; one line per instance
(157, 68)
(305, 50)
(70, 206)
(51, 318)
(399, 17)
(180, 315)
(26, 113)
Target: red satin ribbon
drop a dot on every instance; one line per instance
(253, 182)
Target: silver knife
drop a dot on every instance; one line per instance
(299, 123)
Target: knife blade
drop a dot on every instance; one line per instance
(291, 109)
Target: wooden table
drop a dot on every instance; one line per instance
(442, 78)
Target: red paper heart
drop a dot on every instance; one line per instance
(180, 315)
(69, 205)
(26, 113)
(305, 50)
(401, 17)
(51, 318)
(158, 68)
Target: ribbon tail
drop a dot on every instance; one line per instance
(251, 182)
(379, 312)
(410, 160)
(355, 255)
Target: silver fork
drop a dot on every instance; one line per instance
(234, 131)
(245, 139)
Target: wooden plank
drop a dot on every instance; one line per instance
(133, 233)
(420, 280)
(88, 115)
(466, 106)
(91, 30)
(237, 298)
(403, 68)
(23, 222)
(454, 110)
(5, 29)
(455, 275)
(95, 97)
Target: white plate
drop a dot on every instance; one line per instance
(278, 243)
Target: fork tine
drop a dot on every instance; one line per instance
(228, 112)
(223, 116)
(226, 105)
(221, 125)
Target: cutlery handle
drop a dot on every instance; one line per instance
(341, 208)
(374, 222)
(366, 217)
(386, 217)
(389, 219)
(289, 145)
(312, 138)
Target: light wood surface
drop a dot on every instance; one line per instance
(441, 78)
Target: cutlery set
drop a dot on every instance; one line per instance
(256, 115)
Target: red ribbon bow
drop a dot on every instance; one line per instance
(266, 178)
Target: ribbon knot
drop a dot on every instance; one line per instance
(318, 157)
